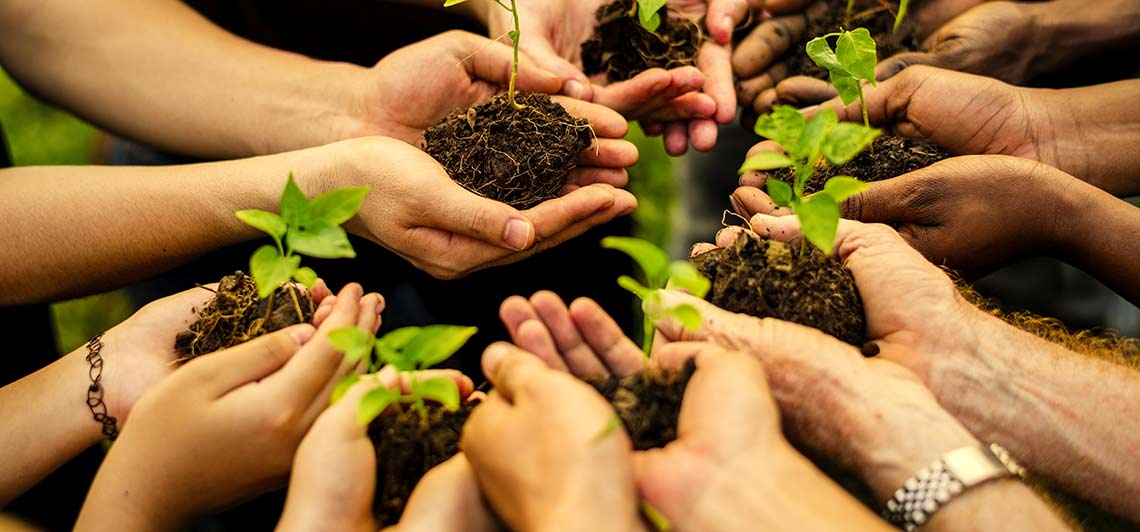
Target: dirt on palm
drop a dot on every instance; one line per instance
(648, 403)
(871, 14)
(621, 49)
(236, 315)
(887, 158)
(521, 157)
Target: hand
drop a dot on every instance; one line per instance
(224, 427)
(447, 499)
(334, 472)
(543, 451)
(418, 212)
(972, 214)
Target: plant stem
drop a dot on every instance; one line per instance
(296, 303)
(863, 105)
(647, 337)
(850, 9)
(515, 67)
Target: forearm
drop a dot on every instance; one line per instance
(1069, 30)
(78, 230)
(157, 72)
(1101, 240)
(46, 423)
(1063, 416)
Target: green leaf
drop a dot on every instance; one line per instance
(654, 263)
(904, 5)
(687, 315)
(306, 276)
(783, 125)
(847, 87)
(647, 13)
(450, 3)
(610, 427)
(374, 403)
(842, 187)
(855, 50)
(683, 275)
(322, 241)
(337, 206)
(780, 192)
(269, 222)
(846, 140)
(819, 218)
(436, 343)
(631, 284)
(514, 35)
(342, 386)
(390, 348)
(270, 270)
(815, 134)
(294, 205)
(440, 389)
(766, 160)
(820, 52)
(354, 343)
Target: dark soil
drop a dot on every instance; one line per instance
(888, 157)
(521, 157)
(766, 278)
(621, 49)
(235, 315)
(869, 14)
(648, 404)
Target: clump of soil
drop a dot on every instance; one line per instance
(521, 157)
(767, 278)
(887, 158)
(648, 403)
(236, 315)
(621, 49)
(870, 14)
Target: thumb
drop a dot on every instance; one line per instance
(492, 61)
(248, 362)
(882, 202)
(575, 83)
(466, 213)
(894, 64)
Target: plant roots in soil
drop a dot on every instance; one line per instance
(521, 157)
(888, 157)
(648, 403)
(621, 49)
(870, 14)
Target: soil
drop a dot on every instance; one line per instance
(887, 158)
(870, 14)
(235, 315)
(521, 157)
(767, 278)
(648, 403)
(621, 49)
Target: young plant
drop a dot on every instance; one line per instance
(304, 227)
(409, 351)
(514, 35)
(850, 64)
(808, 143)
(647, 12)
(903, 6)
(659, 274)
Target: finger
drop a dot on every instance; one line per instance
(802, 91)
(684, 107)
(715, 62)
(604, 336)
(323, 310)
(702, 134)
(893, 65)
(575, 83)
(649, 93)
(318, 363)
(606, 123)
(581, 360)
(223, 371)
(700, 248)
(748, 89)
(725, 237)
(343, 414)
(652, 128)
(764, 103)
(512, 371)
(704, 418)
(766, 43)
(319, 291)
(513, 312)
(465, 213)
(492, 61)
(581, 177)
(750, 201)
(723, 16)
(714, 319)
(448, 491)
(676, 138)
(609, 153)
(535, 338)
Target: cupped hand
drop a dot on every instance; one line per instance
(418, 212)
(447, 499)
(225, 426)
(545, 449)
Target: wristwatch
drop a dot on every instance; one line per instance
(933, 486)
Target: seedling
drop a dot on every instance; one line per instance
(808, 143)
(903, 6)
(850, 64)
(647, 12)
(304, 227)
(514, 35)
(659, 274)
(409, 351)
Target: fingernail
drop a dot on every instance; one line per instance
(574, 88)
(728, 26)
(494, 356)
(354, 290)
(301, 333)
(517, 235)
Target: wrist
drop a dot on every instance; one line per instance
(1067, 30)
(323, 104)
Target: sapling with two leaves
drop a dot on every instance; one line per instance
(808, 144)
(659, 274)
(850, 64)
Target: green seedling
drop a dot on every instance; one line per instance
(808, 143)
(648, 13)
(850, 64)
(903, 6)
(659, 274)
(514, 35)
(304, 227)
(409, 351)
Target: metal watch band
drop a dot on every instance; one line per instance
(923, 494)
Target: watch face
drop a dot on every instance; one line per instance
(973, 465)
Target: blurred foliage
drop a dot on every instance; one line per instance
(651, 180)
(39, 134)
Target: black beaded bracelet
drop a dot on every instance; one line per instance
(95, 389)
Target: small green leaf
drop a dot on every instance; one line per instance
(687, 315)
(647, 13)
(820, 52)
(440, 389)
(683, 275)
(450, 3)
(815, 134)
(306, 276)
(342, 386)
(847, 87)
(374, 403)
(390, 348)
(270, 270)
(842, 187)
(766, 160)
(855, 50)
(354, 343)
(631, 284)
(322, 241)
(294, 205)
(514, 35)
(783, 125)
(436, 343)
(337, 206)
(780, 192)
(904, 5)
(846, 140)
(819, 218)
(654, 263)
(269, 222)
